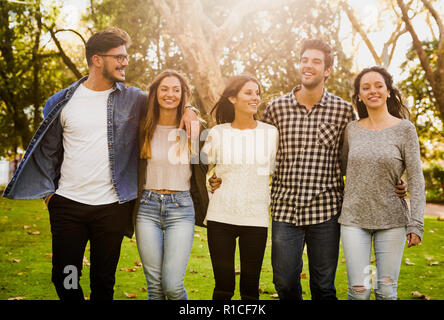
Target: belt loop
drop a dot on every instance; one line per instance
(149, 195)
(172, 198)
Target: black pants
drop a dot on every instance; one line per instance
(72, 225)
(222, 245)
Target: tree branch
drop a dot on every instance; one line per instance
(65, 58)
(73, 31)
(425, 63)
(357, 26)
(435, 15)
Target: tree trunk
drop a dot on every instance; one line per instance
(435, 78)
(201, 42)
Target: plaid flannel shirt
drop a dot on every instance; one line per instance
(307, 186)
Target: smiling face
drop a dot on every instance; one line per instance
(312, 68)
(113, 70)
(248, 98)
(169, 93)
(373, 91)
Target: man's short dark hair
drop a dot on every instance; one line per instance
(103, 41)
(319, 45)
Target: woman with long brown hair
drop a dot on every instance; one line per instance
(378, 149)
(243, 150)
(172, 192)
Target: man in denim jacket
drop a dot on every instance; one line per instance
(83, 160)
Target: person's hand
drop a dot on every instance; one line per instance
(215, 182)
(191, 123)
(401, 189)
(413, 240)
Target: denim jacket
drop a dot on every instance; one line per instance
(39, 171)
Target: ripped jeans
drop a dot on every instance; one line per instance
(388, 246)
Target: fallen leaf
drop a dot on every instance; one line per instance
(203, 239)
(303, 276)
(15, 260)
(34, 233)
(16, 298)
(193, 271)
(129, 269)
(138, 263)
(26, 227)
(433, 263)
(419, 295)
(343, 261)
(85, 261)
(237, 271)
(275, 295)
(48, 255)
(130, 295)
(407, 262)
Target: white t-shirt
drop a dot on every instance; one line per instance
(244, 160)
(85, 171)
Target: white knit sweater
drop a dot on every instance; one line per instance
(244, 160)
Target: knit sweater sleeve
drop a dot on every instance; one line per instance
(415, 181)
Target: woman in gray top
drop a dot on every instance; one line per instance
(377, 150)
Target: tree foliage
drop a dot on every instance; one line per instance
(424, 111)
(266, 44)
(263, 41)
(29, 72)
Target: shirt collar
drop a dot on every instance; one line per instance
(116, 86)
(323, 102)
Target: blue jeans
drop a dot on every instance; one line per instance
(389, 247)
(164, 233)
(287, 248)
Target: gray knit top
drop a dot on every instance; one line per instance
(376, 160)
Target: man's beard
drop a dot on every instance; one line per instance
(108, 75)
(312, 84)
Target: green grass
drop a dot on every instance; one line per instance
(25, 262)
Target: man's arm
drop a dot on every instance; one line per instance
(190, 114)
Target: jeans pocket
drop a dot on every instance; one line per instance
(184, 202)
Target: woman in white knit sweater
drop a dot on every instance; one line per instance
(243, 151)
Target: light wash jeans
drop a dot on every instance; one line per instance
(389, 247)
(165, 233)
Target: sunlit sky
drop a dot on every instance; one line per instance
(366, 11)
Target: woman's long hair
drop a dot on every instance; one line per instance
(223, 110)
(395, 105)
(153, 108)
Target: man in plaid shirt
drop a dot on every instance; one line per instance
(307, 187)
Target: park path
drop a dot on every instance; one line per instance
(432, 209)
(435, 210)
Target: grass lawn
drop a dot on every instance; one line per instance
(25, 262)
